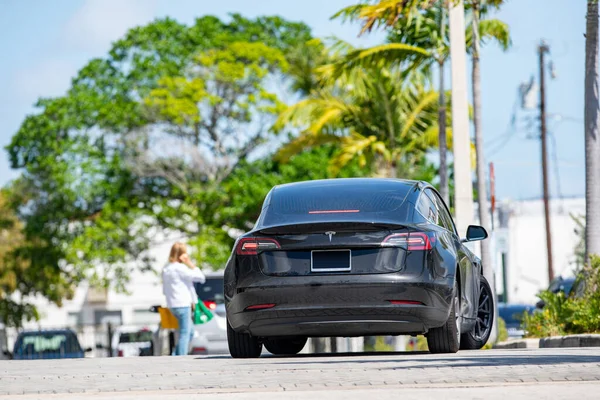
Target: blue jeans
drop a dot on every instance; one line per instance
(184, 318)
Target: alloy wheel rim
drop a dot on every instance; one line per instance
(484, 315)
(457, 316)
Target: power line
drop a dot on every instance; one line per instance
(510, 132)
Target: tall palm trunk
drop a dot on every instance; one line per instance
(442, 121)
(444, 191)
(592, 142)
(484, 218)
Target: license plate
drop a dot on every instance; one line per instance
(330, 261)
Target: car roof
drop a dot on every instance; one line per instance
(46, 331)
(214, 274)
(348, 181)
(131, 328)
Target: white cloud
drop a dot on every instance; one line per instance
(48, 78)
(99, 22)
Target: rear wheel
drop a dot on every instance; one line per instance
(242, 345)
(446, 338)
(479, 335)
(285, 346)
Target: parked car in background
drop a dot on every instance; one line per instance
(512, 314)
(47, 344)
(211, 337)
(570, 286)
(131, 341)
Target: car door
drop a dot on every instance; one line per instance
(467, 269)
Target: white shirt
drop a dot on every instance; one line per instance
(178, 284)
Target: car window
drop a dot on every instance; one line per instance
(135, 337)
(332, 201)
(211, 290)
(32, 343)
(427, 208)
(445, 220)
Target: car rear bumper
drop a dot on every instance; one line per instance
(210, 338)
(343, 305)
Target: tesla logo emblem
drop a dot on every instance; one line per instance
(330, 234)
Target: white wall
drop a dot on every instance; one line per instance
(527, 271)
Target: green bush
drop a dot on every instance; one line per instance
(563, 315)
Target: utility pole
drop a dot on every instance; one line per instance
(463, 184)
(542, 50)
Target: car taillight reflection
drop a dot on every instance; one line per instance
(210, 304)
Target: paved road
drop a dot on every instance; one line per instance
(492, 374)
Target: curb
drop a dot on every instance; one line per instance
(518, 344)
(571, 341)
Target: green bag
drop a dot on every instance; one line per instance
(202, 314)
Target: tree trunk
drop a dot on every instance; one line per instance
(463, 182)
(484, 216)
(442, 123)
(592, 142)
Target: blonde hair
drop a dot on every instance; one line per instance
(177, 251)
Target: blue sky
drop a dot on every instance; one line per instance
(43, 44)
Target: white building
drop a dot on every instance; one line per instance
(523, 237)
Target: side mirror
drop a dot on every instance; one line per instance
(88, 350)
(7, 353)
(475, 232)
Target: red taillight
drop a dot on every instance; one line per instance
(199, 350)
(406, 302)
(120, 353)
(260, 307)
(411, 240)
(210, 304)
(251, 246)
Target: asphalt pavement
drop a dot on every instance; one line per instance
(490, 374)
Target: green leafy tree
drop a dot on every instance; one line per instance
(125, 152)
(373, 114)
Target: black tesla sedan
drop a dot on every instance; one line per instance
(355, 257)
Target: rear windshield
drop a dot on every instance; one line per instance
(211, 290)
(135, 337)
(47, 343)
(364, 201)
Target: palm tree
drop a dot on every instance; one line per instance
(381, 115)
(592, 142)
(499, 31)
(419, 39)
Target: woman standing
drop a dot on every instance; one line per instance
(178, 277)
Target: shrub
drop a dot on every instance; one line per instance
(578, 313)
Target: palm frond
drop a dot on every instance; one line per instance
(496, 30)
(356, 146)
(415, 115)
(390, 54)
(350, 13)
(301, 143)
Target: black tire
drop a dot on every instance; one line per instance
(480, 334)
(285, 346)
(242, 345)
(446, 338)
